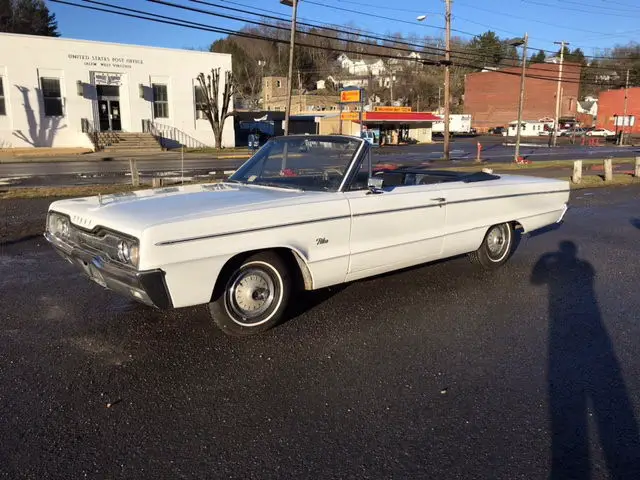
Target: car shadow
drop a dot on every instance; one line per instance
(635, 222)
(304, 300)
(584, 375)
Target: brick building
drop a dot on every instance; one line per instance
(274, 98)
(611, 104)
(491, 97)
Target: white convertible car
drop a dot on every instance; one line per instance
(303, 212)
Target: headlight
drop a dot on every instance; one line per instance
(58, 225)
(128, 252)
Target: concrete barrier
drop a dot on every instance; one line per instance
(608, 169)
(577, 171)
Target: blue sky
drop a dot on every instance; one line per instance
(588, 24)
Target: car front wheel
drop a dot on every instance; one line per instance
(496, 248)
(253, 296)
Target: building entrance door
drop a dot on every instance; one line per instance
(109, 108)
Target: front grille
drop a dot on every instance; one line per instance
(101, 242)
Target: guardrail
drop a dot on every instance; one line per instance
(169, 136)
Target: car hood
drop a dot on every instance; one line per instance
(132, 212)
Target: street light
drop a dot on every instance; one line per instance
(516, 42)
(294, 4)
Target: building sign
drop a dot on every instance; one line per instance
(350, 96)
(350, 116)
(104, 61)
(107, 78)
(392, 109)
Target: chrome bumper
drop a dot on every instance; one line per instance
(147, 287)
(564, 211)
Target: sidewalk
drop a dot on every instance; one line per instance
(118, 157)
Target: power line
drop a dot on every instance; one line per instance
(581, 10)
(373, 15)
(138, 14)
(468, 56)
(461, 18)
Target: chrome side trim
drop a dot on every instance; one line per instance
(512, 195)
(341, 217)
(250, 230)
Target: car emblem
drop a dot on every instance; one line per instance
(321, 241)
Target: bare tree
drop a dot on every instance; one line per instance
(210, 88)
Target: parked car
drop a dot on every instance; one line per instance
(497, 130)
(578, 132)
(304, 212)
(600, 132)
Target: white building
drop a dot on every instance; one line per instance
(361, 67)
(54, 90)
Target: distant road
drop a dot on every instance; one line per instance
(462, 149)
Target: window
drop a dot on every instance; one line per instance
(52, 97)
(278, 84)
(3, 110)
(160, 101)
(201, 103)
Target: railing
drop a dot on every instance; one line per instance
(170, 137)
(92, 132)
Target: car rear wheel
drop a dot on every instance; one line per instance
(253, 295)
(496, 248)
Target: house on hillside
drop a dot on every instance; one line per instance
(373, 67)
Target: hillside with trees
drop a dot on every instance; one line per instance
(263, 51)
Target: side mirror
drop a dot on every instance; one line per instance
(375, 184)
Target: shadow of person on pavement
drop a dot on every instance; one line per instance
(584, 376)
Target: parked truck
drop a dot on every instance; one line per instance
(458, 124)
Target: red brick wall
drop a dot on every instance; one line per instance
(611, 102)
(491, 98)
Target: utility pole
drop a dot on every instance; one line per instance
(447, 87)
(624, 112)
(299, 92)
(557, 117)
(521, 100)
(294, 4)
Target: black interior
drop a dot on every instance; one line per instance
(415, 176)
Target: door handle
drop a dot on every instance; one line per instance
(439, 199)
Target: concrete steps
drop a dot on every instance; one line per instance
(114, 142)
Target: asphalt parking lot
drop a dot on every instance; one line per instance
(440, 371)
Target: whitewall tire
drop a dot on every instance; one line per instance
(496, 248)
(253, 295)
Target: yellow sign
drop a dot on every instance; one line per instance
(350, 116)
(392, 109)
(349, 96)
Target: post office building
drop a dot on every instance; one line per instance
(57, 92)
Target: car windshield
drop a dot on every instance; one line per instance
(300, 162)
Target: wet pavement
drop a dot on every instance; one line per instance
(440, 371)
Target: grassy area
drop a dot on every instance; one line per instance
(552, 164)
(592, 181)
(588, 181)
(239, 151)
(81, 190)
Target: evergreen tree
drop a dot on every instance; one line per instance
(539, 57)
(31, 17)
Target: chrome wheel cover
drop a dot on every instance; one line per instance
(250, 294)
(498, 242)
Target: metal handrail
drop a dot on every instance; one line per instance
(169, 136)
(89, 128)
